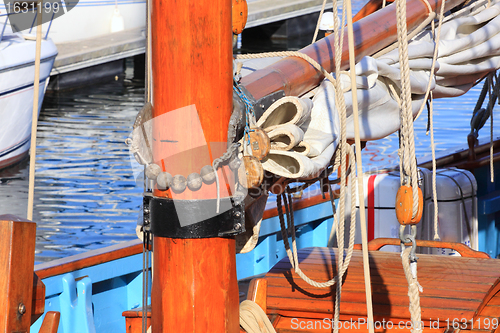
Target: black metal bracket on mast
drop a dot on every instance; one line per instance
(196, 218)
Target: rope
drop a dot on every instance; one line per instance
(344, 147)
(292, 253)
(414, 290)
(319, 21)
(408, 156)
(135, 150)
(491, 106)
(216, 164)
(359, 178)
(253, 319)
(145, 276)
(409, 163)
(434, 57)
(298, 54)
(434, 183)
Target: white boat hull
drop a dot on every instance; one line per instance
(17, 71)
(90, 19)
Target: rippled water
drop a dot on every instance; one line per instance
(85, 194)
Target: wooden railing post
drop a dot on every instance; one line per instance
(17, 258)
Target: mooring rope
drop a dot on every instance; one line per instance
(408, 156)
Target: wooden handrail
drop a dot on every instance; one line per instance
(88, 259)
(465, 251)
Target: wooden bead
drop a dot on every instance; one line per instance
(179, 184)
(251, 172)
(207, 174)
(163, 181)
(235, 163)
(152, 171)
(194, 181)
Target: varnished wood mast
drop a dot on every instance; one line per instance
(194, 280)
(296, 76)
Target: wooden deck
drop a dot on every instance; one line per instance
(100, 50)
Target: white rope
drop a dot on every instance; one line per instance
(434, 183)
(492, 86)
(414, 290)
(359, 178)
(408, 156)
(434, 57)
(304, 56)
(409, 162)
(341, 107)
(292, 252)
(319, 21)
(253, 319)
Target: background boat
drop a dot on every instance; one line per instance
(93, 18)
(17, 72)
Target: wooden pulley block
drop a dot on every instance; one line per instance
(250, 172)
(240, 15)
(404, 206)
(260, 144)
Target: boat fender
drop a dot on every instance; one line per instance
(404, 206)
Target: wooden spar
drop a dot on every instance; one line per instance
(194, 280)
(296, 76)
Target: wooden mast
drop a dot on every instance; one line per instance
(194, 280)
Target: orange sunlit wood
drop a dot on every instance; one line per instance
(454, 287)
(17, 258)
(194, 280)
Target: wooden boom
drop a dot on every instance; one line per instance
(296, 76)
